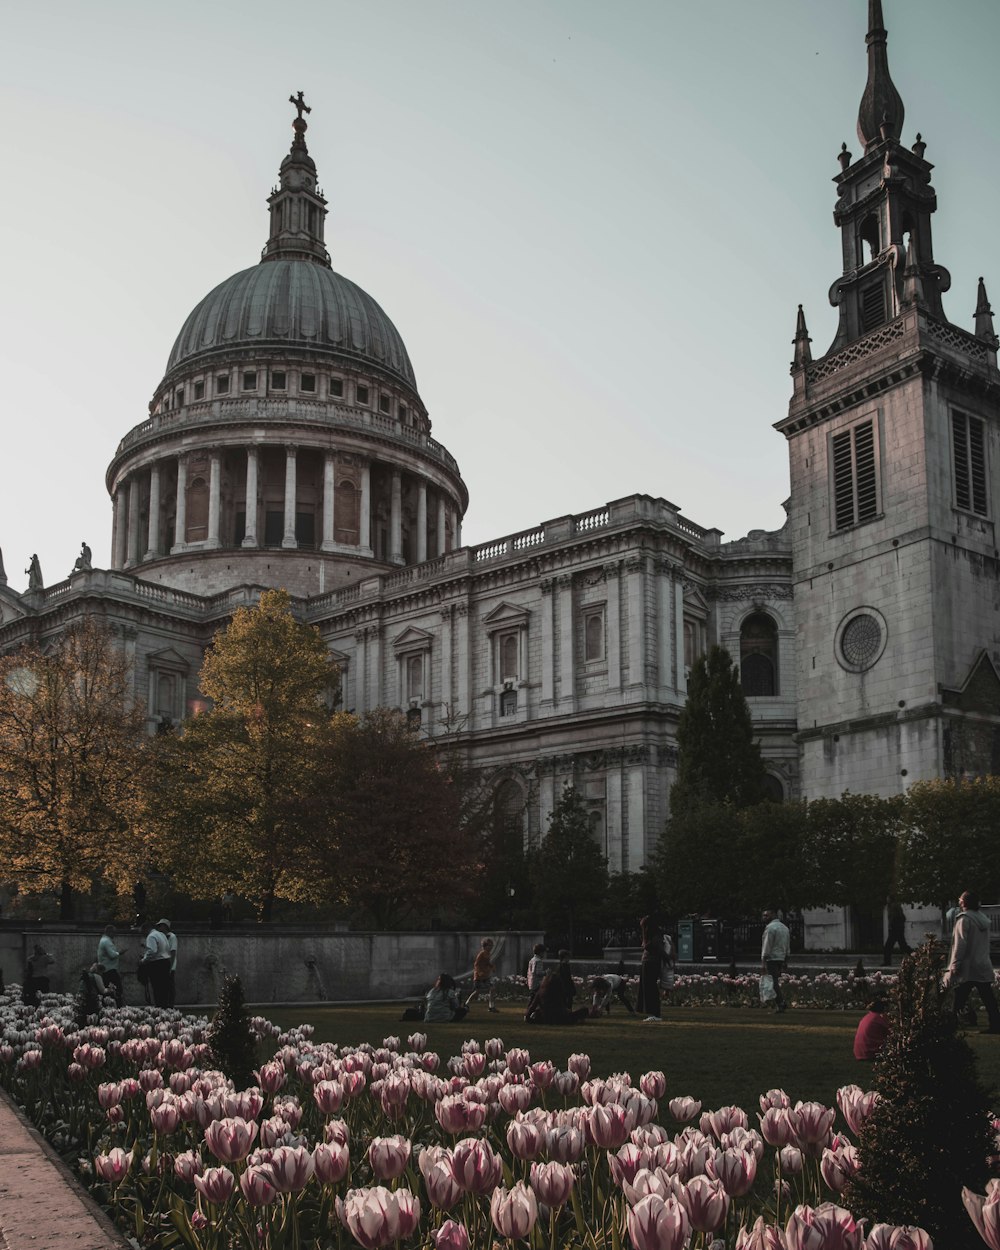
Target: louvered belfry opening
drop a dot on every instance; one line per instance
(855, 475)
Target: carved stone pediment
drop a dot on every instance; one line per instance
(412, 639)
(168, 659)
(506, 616)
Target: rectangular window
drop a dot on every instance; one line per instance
(593, 636)
(968, 444)
(362, 393)
(250, 380)
(385, 403)
(179, 397)
(508, 703)
(308, 382)
(337, 388)
(222, 384)
(404, 415)
(507, 656)
(872, 307)
(278, 380)
(855, 475)
(414, 676)
(199, 390)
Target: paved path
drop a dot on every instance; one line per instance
(42, 1206)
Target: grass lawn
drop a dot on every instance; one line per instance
(716, 1054)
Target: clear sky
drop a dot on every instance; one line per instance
(590, 221)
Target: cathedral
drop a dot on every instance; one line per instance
(287, 445)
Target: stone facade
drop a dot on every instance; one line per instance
(288, 446)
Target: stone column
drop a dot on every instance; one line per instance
(636, 817)
(441, 524)
(180, 511)
(421, 521)
(214, 498)
(121, 528)
(133, 521)
(250, 505)
(548, 646)
(613, 632)
(375, 651)
(447, 707)
(635, 576)
(328, 498)
(458, 529)
(614, 819)
(665, 632)
(567, 689)
(153, 528)
(456, 525)
(360, 667)
(462, 659)
(546, 799)
(396, 519)
(679, 633)
(289, 538)
(365, 533)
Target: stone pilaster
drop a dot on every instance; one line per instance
(421, 521)
(613, 630)
(214, 498)
(180, 509)
(567, 692)
(250, 506)
(328, 501)
(548, 645)
(153, 528)
(290, 487)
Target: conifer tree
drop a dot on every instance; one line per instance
(569, 873)
(234, 1046)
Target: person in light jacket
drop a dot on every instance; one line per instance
(774, 947)
(969, 965)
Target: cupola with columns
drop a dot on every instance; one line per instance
(287, 441)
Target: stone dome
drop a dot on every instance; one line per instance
(292, 304)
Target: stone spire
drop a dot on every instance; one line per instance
(881, 113)
(3, 575)
(297, 207)
(803, 355)
(913, 286)
(984, 323)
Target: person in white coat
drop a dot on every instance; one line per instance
(969, 965)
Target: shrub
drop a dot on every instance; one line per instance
(234, 1046)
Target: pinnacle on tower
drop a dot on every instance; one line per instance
(296, 204)
(913, 285)
(881, 113)
(984, 322)
(3, 575)
(803, 355)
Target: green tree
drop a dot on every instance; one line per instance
(398, 845)
(568, 873)
(852, 843)
(949, 839)
(930, 1133)
(237, 799)
(719, 760)
(233, 1042)
(71, 759)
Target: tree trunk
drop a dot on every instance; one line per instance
(66, 901)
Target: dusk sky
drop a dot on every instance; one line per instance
(590, 222)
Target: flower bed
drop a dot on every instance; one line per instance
(372, 1145)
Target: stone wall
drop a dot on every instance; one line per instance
(280, 965)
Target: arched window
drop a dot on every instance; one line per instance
(774, 791)
(197, 511)
(759, 656)
(594, 635)
(346, 513)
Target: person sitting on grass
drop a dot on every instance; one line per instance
(873, 1029)
(443, 1003)
(606, 987)
(549, 1006)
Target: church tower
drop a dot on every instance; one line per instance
(894, 447)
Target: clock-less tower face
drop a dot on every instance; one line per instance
(287, 443)
(894, 447)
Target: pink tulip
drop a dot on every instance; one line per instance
(629, 1160)
(180, 1082)
(114, 1166)
(149, 1079)
(290, 1167)
(707, 1204)
(564, 1144)
(165, 1118)
(518, 1060)
(389, 1156)
(271, 1077)
(474, 1066)
(826, 1227)
(762, 1236)
(525, 1139)
(457, 1115)
(812, 1122)
(417, 1042)
(985, 1212)
(566, 1084)
(337, 1131)
(908, 1237)
(580, 1064)
(774, 1098)
(443, 1191)
(723, 1121)
(258, 1186)
(514, 1211)
(776, 1127)
(109, 1095)
(330, 1162)
(880, 1235)
(653, 1084)
(652, 1181)
(744, 1139)
(542, 1074)
(683, 1109)
(838, 1165)
(656, 1223)
(188, 1165)
(608, 1126)
(230, 1140)
(451, 1236)
(856, 1105)
(552, 1183)
(376, 1216)
(514, 1098)
(475, 1167)
(736, 1170)
(329, 1096)
(790, 1158)
(215, 1184)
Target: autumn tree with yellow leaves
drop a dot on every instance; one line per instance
(71, 760)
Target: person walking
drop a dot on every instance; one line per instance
(535, 968)
(774, 947)
(896, 930)
(172, 983)
(969, 965)
(108, 956)
(156, 962)
(37, 978)
(650, 969)
(483, 968)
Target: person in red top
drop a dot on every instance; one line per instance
(482, 974)
(872, 1031)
